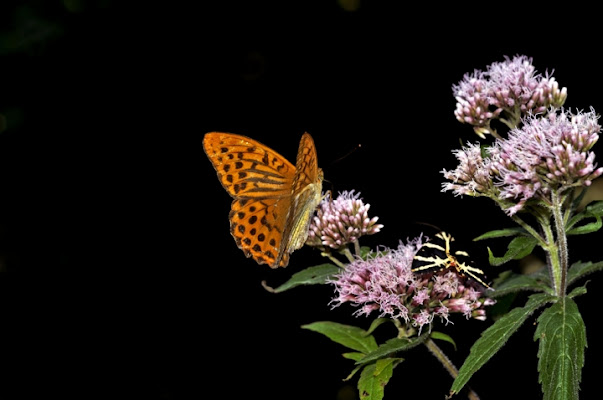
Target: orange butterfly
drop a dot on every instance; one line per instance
(273, 200)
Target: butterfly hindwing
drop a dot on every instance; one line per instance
(307, 193)
(256, 226)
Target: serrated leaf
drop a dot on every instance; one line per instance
(391, 347)
(518, 282)
(562, 340)
(595, 207)
(587, 228)
(374, 377)
(444, 337)
(579, 270)
(351, 375)
(579, 291)
(575, 219)
(518, 248)
(315, 275)
(576, 201)
(501, 233)
(376, 323)
(592, 210)
(353, 355)
(494, 337)
(502, 306)
(350, 336)
(364, 252)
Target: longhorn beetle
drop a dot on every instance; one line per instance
(437, 254)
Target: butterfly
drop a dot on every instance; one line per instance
(274, 200)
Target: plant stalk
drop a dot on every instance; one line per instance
(448, 365)
(561, 247)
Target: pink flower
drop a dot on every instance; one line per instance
(385, 283)
(473, 176)
(545, 154)
(506, 91)
(341, 221)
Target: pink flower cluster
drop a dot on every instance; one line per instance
(341, 221)
(385, 283)
(507, 90)
(547, 153)
(473, 176)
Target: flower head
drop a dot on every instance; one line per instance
(545, 154)
(511, 88)
(341, 221)
(386, 284)
(473, 176)
(515, 84)
(473, 99)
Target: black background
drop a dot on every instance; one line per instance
(119, 275)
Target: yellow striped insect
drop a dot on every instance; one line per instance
(437, 254)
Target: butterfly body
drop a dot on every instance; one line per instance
(273, 199)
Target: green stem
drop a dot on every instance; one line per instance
(553, 262)
(333, 259)
(529, 229)
(509, 124)
(561, 249)
(403, 333)
(346, 252)
(448, 365)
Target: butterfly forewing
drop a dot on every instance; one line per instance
(307, 171)
(274, 200)
(247, 168)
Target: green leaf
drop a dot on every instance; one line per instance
(365, 251)
(502, 306)
(562, 337)
(374, 377)
(518, 248)
(501, 233)
(347, 335)
(493, 338)
(579, 270)
(315, 275)
(353, 355)
(587, 228)
(376, 323)
(579, 291)
(442, 336)
(351, 374)
(577, 200)
(391, 347)
(593, 210)
(518, 282)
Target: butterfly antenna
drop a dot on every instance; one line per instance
(435, 227)
(346, 154)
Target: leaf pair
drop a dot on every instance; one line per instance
(562, 340)
(376, 362)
